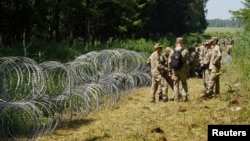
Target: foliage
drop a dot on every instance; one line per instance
(66, 20)
(41, 51)
(241, 56)
(243, 15)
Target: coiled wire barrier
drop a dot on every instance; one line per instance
(34, 97)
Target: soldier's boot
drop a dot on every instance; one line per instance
(165, 99)
(207, 95)
(152, 100)
(217, 92)
(185, 99)
(160, 98)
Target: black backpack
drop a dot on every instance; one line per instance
(176, 59)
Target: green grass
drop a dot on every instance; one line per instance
(134, 118)
(231, 30)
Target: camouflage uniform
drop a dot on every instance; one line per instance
(229, 49)
(214, 66)
(205, 63)
(166, 79)
(229, 45)
(180, 75)
(193, 60)
(156, 68)
(201, 52)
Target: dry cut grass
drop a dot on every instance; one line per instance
(136, 119)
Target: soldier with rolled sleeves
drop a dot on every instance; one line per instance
(214, 66)
(205, 63)
(166, 80)
(180, 75)
(156, 68)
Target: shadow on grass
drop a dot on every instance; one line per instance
(95, 138)
(75, 123)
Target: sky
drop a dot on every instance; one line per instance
(219, 9)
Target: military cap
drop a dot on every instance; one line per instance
(158, 45)
(179, 39)
(195, 44)
(207, 43)
(214, 38)
(168, 49)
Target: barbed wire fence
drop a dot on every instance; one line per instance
(35, 98)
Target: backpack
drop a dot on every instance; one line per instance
(176, 59)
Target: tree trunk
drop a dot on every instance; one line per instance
(57, 20)
(1, 40)
(87, 23)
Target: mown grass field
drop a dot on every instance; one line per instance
(215, 30)
(134, 118)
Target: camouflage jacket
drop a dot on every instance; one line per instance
(207, 57)
(215, 61)
(155, 64)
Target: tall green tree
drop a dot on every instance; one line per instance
(177, 17)
(59, 20)
(243, 15)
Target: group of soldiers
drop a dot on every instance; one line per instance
(205, 58)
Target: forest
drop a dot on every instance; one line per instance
(27, 21)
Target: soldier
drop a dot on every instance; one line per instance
(229, 45)
(166, 76)
(205, 63)
(156, 68)
(229, 49)
(196, 46)
(193, 60)
(215, 66)
(180, 74)
(201, 53)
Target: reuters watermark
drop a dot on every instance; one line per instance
(239, 132)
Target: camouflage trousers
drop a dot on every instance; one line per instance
(166, 82)
(156, 81)
(206, 76)
(180, 76)
(213, 83)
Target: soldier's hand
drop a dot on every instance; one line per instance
(169, 73)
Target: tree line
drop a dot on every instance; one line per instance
(65, 20)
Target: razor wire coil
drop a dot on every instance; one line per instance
(45, 94)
